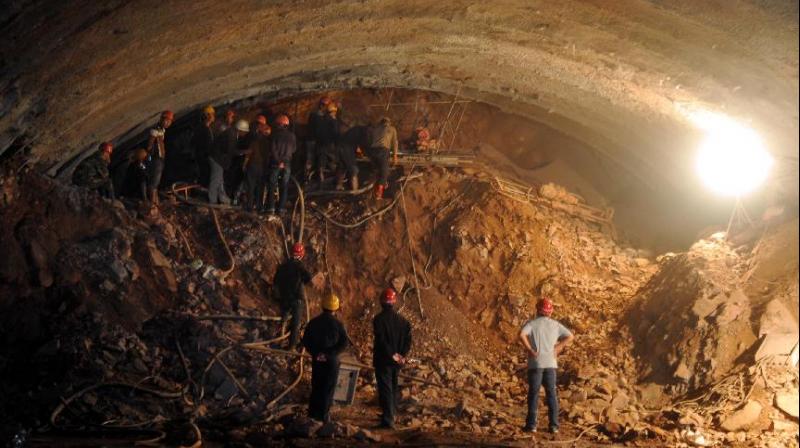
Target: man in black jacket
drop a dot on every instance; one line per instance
(325, 338)
(203, 144)
(225, 148)
(391, 345)
(289, 279)
(284, 144)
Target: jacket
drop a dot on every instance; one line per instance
(383, 136)
(289, 277)
(225, 147)
(325, 334)
(284, 144)
(93, 173)
(392, 334)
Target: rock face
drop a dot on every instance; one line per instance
(788, 403)
(692, 320)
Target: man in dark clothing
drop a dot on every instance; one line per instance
(134, 184)
(256, 164)
(382, 142)
(327, 135)
(289, 279)
(314, 128)
(325, 338)
(355, 137)
(392, 334)
(157, 154)
(227, 146)
(203, 143)
(284, 144)
(93, 174)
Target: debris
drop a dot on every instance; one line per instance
(742, 418)
(787, 401)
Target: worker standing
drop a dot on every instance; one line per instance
(157, 153)
(544, 338)
(219, 160)
(314, 126)
(227, 123)
(93, 174)
(203, 144)
(382, 141)
(392, 341)
(134, 184)
(289, 279)
(327, 135)
(325, 338)
(256, 164)
(283, 146)
(348, 144)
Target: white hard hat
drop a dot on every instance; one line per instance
(243, 125)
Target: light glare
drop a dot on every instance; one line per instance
(732, 159)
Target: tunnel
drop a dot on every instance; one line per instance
(563, 159)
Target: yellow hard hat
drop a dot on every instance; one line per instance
(209, 110)
(332, 107)
(330, 303)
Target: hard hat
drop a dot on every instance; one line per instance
(106, 147)
(389, 296)
(167, 115)
(260, 119)
(298, 250)
(230, 113)
(332, 107)
(243, 126)
(282, 120)
(324, 101)
(330, 302)
(544, 306)
(209, 110)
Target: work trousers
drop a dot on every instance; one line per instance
(254, 193)
(154, 170)
(291, 310)
(275, 175)
(380, 159)
(346, 161)
(324, 376)
(216, 183)
(388, 391)
(537, 378)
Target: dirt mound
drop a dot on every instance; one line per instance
(159, 319)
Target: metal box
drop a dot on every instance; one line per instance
(346, 384)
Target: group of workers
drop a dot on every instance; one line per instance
(239, 161)
(325, 338)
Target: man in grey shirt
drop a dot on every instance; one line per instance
(544, 338)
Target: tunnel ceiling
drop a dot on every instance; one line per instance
(610, 73)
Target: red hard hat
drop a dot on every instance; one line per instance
(282, 120)
(389, 296)
(544, 306)
(261, 119)
(298, 250)
(106, 147)
(324, 101)
(168, 115)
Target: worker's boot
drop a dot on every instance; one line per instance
(354, 183)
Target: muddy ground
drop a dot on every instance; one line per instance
(135, 304)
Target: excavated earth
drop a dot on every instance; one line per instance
(117, 320)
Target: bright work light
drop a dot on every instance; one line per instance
(732, 159)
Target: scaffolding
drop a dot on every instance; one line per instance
(444, 131)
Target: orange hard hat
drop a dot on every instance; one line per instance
(261, 119)
(324, 101)
(389, 296)
(298, 250)
(544, 306)
(107, 147)
(332, 107)
(282, 120)
(168, 115)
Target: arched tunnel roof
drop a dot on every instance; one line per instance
(614, 74)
